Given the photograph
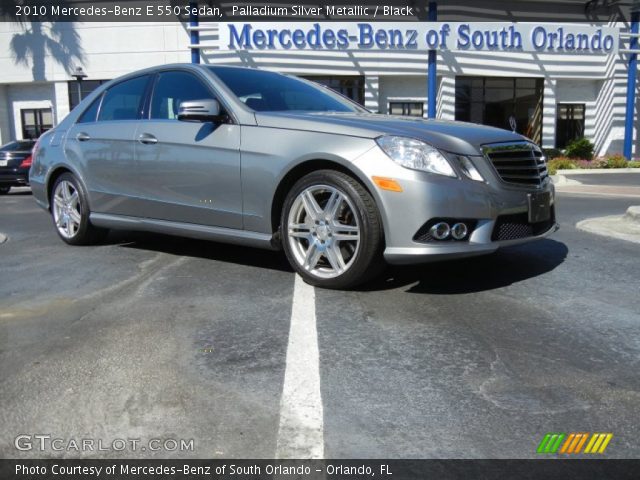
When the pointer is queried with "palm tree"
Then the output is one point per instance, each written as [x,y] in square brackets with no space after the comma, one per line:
[45,36]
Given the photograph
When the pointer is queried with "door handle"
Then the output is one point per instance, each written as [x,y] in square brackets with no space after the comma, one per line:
[147,139]
[83,137]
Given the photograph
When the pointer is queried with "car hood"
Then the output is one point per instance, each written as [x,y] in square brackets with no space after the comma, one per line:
[456,137]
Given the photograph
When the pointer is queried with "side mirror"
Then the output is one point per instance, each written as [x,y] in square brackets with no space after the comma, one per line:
[206,110]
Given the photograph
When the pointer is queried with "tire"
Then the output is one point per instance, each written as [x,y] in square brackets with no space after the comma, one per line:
[4,190]
[70,212]
[335,241]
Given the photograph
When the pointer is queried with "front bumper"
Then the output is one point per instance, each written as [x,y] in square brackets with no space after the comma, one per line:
[434,253]
[426,196]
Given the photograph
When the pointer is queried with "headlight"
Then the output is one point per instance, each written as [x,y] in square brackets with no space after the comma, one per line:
[414,154]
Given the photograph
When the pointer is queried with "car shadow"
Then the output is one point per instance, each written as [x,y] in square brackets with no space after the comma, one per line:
[204,249]
[454,277]
[476,274]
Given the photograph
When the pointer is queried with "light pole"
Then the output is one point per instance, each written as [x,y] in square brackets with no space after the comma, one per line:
[79,75]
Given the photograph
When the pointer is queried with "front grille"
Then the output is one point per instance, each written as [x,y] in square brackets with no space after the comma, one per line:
[513,227]
[520,163]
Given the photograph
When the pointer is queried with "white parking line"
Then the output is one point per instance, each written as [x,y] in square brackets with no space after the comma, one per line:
[300,434]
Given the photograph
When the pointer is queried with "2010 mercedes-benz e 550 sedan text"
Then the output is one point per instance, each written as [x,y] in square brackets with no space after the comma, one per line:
[268,160]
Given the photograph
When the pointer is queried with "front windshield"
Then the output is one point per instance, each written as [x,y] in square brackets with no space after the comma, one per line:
[265,91]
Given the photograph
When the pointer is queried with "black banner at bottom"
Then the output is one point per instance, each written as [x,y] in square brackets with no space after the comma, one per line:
[584,469]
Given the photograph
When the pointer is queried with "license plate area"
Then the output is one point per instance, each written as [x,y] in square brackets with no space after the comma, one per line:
[4,163]
[539,207]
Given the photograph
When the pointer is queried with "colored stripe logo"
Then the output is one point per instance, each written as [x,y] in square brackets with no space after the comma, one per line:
[573,443]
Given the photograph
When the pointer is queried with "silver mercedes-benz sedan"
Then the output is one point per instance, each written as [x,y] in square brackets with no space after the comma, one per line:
[268,160]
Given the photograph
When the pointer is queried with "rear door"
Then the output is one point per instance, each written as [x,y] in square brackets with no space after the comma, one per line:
[187,171]
[102,145]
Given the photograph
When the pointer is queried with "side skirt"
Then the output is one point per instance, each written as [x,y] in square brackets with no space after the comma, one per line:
[191,230]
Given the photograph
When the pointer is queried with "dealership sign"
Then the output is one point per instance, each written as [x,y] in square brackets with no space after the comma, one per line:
[394,36]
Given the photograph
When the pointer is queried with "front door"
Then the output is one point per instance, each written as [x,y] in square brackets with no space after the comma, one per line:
[187,171]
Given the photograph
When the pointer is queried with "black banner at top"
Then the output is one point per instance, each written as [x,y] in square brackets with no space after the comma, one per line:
[312,10]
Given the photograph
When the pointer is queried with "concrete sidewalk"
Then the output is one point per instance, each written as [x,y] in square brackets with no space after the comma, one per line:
[605,182]
[599,190]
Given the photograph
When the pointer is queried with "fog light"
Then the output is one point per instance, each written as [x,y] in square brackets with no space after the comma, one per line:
[459,231]
[440,231]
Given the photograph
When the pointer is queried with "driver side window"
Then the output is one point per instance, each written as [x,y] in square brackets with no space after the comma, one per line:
[171,89]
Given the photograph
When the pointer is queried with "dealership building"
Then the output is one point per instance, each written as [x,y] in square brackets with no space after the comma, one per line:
[552,95]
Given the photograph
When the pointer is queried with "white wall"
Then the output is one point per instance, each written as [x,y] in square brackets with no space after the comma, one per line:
[549,101]
[61,94]
[582,91]
[410,89]
[104,50]
[21,96]
[5,122]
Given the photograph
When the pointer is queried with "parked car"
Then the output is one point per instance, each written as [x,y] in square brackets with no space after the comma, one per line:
[15,162]
[267,160]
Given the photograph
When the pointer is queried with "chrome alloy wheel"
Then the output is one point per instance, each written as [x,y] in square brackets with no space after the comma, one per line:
[66,209]
[323,231]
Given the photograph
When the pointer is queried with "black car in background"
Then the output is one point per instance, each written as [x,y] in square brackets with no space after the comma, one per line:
[15,161]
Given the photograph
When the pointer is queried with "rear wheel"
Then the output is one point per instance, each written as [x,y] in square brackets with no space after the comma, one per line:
[70,211]
[331,230]
[4,190]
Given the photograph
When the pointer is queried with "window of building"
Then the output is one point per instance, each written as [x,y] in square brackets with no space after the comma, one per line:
[502,102]
[123,101]
[35,121]
[171,89]
[412,109]
[569,123]
[351,86]
[86,87]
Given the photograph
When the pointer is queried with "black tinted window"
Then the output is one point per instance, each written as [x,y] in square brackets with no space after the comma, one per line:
[123,101]
[267,91]
[173,88]
[91,113]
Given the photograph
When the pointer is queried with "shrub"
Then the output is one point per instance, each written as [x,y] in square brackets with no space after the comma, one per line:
[617,161]
[634,164]
[551,153]
[599,163]
[580,148]
[586,163]
[595,163]
[560,163]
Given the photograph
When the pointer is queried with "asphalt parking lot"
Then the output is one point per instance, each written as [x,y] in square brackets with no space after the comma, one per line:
[150,336]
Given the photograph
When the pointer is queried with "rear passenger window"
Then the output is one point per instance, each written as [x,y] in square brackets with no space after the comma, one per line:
[124,100]
[173,88]
[91,113]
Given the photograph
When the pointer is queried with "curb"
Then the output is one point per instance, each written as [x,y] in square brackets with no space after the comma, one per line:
[562,180]
[596,171]
[632,215]
[625,227]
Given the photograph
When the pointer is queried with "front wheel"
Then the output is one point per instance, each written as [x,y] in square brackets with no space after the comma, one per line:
[4,190]
[331,230]
[70,211]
